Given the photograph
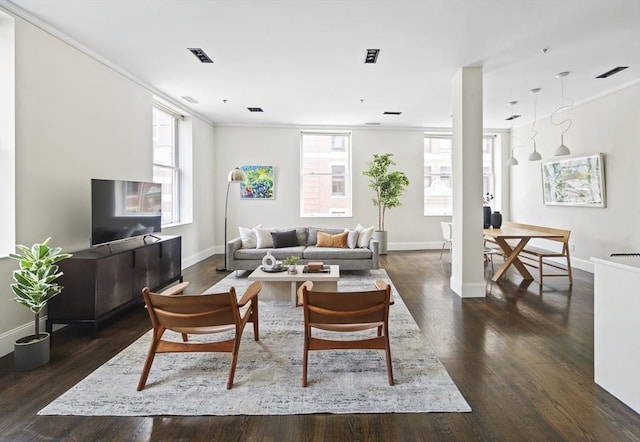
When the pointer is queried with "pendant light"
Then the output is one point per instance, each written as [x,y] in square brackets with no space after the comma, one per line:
[562,149]
[512,161]
[535,155]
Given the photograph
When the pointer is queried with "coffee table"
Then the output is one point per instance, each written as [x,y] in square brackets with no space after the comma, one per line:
[275,285]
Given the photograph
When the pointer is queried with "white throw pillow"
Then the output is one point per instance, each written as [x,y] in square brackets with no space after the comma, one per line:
[263,237]
[365,236]
[248,237]
[352,238]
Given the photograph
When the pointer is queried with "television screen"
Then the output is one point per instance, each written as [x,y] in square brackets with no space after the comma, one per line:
[124,209]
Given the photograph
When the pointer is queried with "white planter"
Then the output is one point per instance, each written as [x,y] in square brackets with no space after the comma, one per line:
[381,237]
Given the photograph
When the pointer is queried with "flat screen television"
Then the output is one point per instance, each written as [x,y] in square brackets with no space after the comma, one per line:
[124,209]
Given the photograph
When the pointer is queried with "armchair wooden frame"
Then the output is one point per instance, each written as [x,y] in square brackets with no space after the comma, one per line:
[347,312]
[199,314]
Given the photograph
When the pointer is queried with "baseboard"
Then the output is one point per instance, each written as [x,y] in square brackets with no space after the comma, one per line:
[200,256]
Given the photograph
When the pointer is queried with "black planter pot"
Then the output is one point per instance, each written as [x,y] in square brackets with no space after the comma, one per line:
[496,220]
[486,216]
[29,352]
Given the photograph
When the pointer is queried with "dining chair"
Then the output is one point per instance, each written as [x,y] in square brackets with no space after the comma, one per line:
[199,314]
[447,235]
[347,312]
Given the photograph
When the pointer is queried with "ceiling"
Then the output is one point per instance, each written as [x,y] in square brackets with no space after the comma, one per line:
[302,61]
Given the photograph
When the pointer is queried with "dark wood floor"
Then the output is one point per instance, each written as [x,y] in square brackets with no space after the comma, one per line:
[523,359]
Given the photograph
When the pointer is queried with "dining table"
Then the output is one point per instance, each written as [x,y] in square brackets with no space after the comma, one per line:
[512,240]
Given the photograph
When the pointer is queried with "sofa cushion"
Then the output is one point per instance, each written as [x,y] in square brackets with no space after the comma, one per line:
[352,238]
[263,236]
[286,238]
[312,238]
[365,235]
[326,240]
[248,237]
[333,253]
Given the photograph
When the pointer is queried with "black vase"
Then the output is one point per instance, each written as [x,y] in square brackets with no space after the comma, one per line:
[486,216]
[496,220]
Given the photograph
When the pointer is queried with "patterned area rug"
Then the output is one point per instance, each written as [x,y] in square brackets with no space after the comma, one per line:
[268,374]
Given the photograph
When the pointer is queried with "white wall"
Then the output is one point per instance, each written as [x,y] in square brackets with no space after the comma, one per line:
[77,119]
[610,124]
[280,147]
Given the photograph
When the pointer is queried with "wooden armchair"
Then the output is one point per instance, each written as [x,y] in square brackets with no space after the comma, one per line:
[199,314]
[347,312]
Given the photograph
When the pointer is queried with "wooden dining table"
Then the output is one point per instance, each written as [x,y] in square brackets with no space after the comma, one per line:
[512,240]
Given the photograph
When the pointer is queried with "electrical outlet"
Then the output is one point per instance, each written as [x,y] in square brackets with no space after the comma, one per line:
[572,247]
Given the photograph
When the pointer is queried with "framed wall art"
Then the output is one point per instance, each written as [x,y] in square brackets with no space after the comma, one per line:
[259,183]
[577,181]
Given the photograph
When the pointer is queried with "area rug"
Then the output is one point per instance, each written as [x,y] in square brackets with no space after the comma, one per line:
[268,374]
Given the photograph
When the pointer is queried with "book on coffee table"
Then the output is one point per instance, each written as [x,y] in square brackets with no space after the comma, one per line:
[323,269]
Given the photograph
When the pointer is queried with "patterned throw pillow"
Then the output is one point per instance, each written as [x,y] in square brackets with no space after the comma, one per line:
[327,240]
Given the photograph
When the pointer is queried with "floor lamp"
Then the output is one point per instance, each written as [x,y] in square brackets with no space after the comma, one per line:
[235,176]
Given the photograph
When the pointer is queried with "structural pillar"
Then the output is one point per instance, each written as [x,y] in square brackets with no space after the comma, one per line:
[467,265]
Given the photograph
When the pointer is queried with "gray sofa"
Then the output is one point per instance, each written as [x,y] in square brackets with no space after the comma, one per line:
[359,258]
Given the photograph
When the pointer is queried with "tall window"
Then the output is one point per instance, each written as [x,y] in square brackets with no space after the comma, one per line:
[166,161]
[437,173]
[325,174]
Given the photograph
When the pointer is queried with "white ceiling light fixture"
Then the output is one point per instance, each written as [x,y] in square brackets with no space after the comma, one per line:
[562,149]
[512,161]
[535,155]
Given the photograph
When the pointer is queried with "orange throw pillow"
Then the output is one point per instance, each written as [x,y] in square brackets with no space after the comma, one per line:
[327,240]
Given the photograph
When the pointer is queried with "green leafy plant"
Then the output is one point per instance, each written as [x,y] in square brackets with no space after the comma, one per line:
[290,260]
[34,282]
[388,186]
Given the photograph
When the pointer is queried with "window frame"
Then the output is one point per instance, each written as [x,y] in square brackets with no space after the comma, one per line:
[332,211]
[175,169]
[489,180]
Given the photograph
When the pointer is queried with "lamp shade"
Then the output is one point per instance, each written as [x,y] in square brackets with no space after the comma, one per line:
[512,161]
[237,176]
[562,150]
[535,156]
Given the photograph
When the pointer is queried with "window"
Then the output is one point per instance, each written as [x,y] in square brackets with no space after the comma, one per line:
[437,173]
[166,161]
[325,174]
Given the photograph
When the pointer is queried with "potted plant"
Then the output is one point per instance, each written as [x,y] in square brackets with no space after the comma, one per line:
[34,286]
[388,187]
[291,262]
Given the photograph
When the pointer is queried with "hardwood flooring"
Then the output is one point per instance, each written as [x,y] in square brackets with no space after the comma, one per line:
[522,357]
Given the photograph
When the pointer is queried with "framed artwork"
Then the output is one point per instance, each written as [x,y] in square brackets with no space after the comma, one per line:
[577,181]
[259,184]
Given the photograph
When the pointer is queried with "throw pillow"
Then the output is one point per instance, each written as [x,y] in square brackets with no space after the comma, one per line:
[365,236]
[287,238]
[248,237]
[263,237]
[328,240]
[352,238]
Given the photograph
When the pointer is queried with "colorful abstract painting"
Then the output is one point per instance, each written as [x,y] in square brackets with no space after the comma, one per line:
[575,181]
[259,183]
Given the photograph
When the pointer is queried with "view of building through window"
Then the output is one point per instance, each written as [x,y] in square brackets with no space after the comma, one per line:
[166,164]
[437,173]
[325,174]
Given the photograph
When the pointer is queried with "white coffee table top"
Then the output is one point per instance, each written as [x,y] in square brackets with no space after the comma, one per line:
[260,275]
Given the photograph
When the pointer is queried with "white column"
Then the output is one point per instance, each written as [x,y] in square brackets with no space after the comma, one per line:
[467,269]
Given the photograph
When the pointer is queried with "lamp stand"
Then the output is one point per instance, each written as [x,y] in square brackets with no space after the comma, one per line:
[223,268]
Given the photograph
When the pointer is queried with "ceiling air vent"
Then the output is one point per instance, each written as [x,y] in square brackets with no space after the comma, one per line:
[200,54]
[372,124]
[372,56]
[612,72]
[255,109]
[513,117]
[391,113]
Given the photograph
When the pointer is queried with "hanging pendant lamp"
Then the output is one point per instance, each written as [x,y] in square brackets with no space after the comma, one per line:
[562,149]
[535,155]
[512,161]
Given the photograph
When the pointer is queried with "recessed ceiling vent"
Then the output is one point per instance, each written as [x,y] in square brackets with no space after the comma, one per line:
[513,117]
[255,109]
[612,72]
[200,54]
[391,113]
[189,99]
[372,124]
[372,56]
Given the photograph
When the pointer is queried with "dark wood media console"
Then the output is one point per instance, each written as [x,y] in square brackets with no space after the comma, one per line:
[104,280]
